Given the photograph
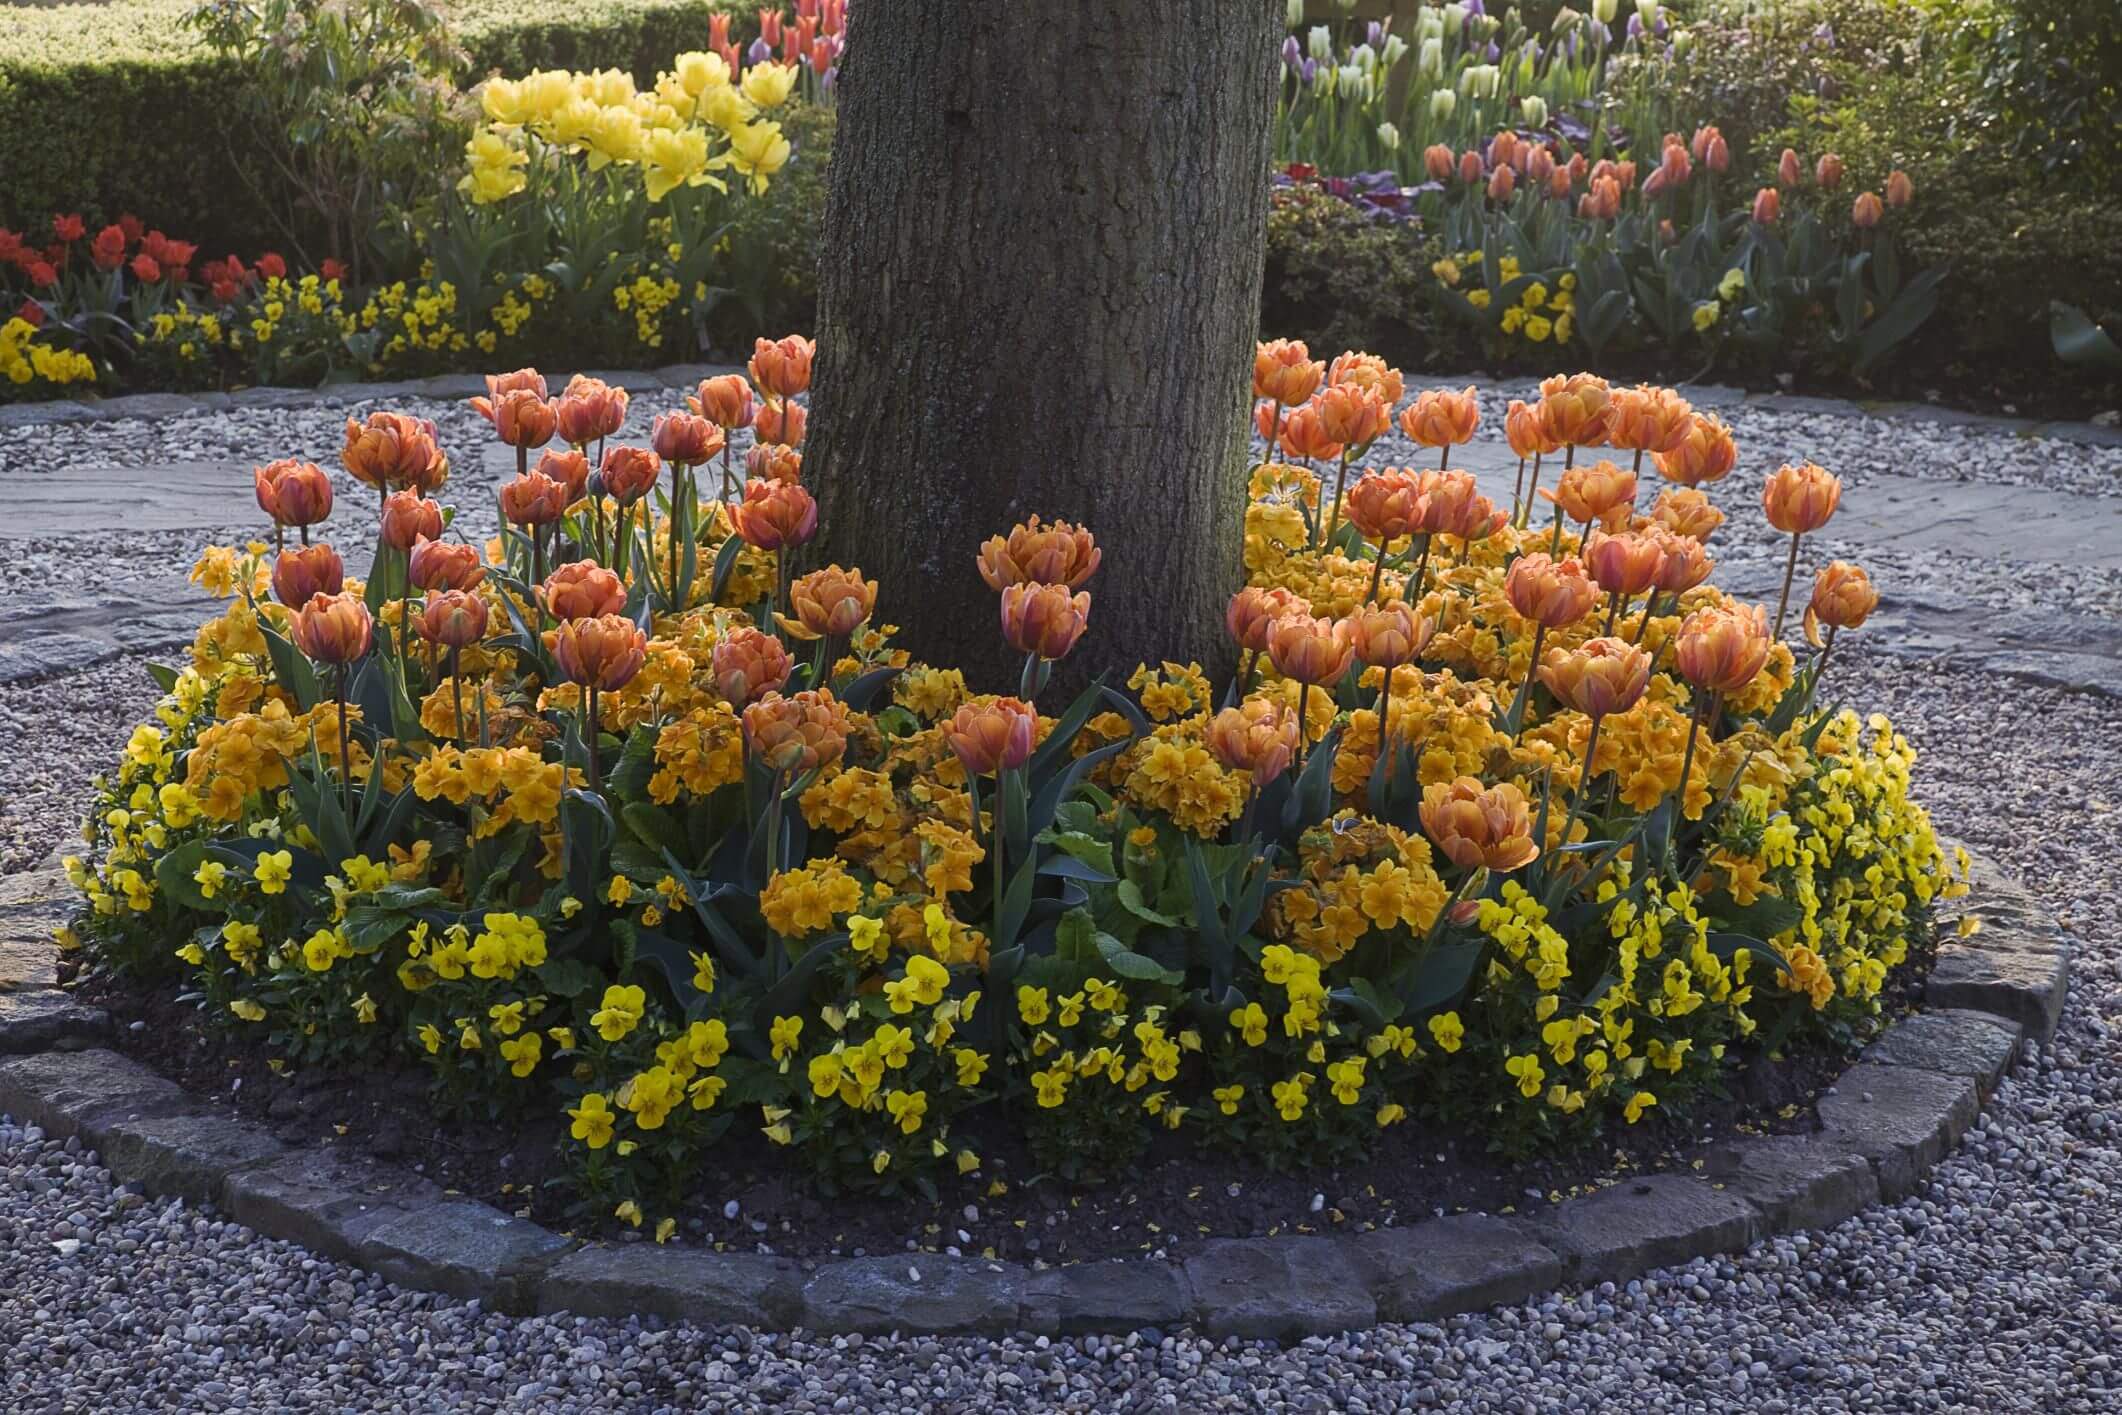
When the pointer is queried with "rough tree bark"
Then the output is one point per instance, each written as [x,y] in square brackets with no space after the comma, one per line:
[1044,236]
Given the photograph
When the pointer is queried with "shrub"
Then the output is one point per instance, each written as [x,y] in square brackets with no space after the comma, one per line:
[1339,277]
[112,108]
[668,841]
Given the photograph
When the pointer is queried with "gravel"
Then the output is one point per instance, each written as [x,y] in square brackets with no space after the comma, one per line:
[1994,1288]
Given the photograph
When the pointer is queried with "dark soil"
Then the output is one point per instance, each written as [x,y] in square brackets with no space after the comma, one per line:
[1182,1193]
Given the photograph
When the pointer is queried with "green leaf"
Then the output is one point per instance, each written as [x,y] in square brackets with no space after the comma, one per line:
[1724,945]
[165,677]
[1442,975]
[1130,895]
[173,875]
[2078,340]
[368,926]
[571,978]
[1090,849]
[1135,967]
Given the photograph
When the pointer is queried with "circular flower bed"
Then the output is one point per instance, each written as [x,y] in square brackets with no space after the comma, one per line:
[1510,822]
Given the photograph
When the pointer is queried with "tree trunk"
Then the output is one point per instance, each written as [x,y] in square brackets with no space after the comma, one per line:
[1040,288]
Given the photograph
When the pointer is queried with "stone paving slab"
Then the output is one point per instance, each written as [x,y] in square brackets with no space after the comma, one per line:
[1796,1181]
[186,1155]
[1278,1290]
[930,1292]
[85,1093]
[1957,1041]
[324,1199]
[1627,1229]
[1901,1118]
[466,1249]
[1455,1264]
[678,1284]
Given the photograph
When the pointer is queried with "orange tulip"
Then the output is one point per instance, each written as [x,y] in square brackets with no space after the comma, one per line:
[1683,563]
[1647,419]
[782,366]
[1526,432]
[521,417]
[791,735]
[1367,371]
[1058,553]
[1866,211]
[748,664]
[455,619]
[1720,650]
[1253,612]
[533,500]
[293,493]
[684,439]
[1455,508]
[1705,454]
[1351,414]
[1710,149]
[1304,435]
[569,468]
[408,518]
[1592,493]
[302,573]
[992,735]
[1828,172]
[1501,183]
[1576,409]
[333,628]
[1389,635]
[1257,737]
[1471,167]
[781,423]
[1602,202]
[1843,598]
[1385,505]
[1285,372]
[1479,827]
[1624,565]
[1799,500]
[1598,677]
[726,400]
[444,565]
[1687,513]
[629,473]
[1768,206]
[775,515]
[1438,162]
[770,461]
[1788,172]
[1044,619]
[1311,651]
[528,379]
[589,410]
[1550,593]
[1441,418]
[603,653]
[582,589]
[829,603]
[394,450]
[1899,190]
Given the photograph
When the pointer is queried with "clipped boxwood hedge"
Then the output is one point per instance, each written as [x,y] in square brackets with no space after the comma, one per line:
[116,107]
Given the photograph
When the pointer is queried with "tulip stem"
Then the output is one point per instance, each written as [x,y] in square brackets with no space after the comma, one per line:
[1584,776]
[346,768]
[589,732]
[1790,570]
[1418,579]
[1245,673]
[773,826]
[1517,488]
[1340,481]
[456,692]
[1613,612]
[1826,651]
[994,847]
[1687,758]
[1650,603]
[1523,516]
[1525,695]
[1569,460]
[1385,709]
[1377,577]
[1304,736]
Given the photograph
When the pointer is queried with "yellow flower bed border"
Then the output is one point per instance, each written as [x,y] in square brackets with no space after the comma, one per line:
[1892,1116]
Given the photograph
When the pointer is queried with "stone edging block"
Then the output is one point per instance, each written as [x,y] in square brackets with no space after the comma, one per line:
[1892,1115]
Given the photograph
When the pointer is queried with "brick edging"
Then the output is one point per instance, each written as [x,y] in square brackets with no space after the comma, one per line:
[453,386]
[1899,1109]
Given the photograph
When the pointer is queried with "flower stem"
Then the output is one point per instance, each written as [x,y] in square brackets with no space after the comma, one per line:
[1418,579]
[1525,696]
[1790,570]
[346,768]
[456,693]
[589,732]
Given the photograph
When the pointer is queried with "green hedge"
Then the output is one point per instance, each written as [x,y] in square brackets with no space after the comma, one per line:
[113,108]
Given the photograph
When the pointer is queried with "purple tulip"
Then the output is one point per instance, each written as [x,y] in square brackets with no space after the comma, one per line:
[1635,25]
[1292,55]
[759,53]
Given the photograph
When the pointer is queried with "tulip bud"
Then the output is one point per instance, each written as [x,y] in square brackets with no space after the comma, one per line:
[829,603]
[293,493]
[1899,190]
[1768,206]
[454,619]
[1684,562]
[629,473]
[1706,454]
[1720,650]
[394,450]
[791,735]
[1799,500]
[1389,635]
[1479,828]
[589,410]
[1442,104]
[1044,619]
[1827,172]
[1441,418]
[1687,513]
[1258,737]
[1588,494]
[770,461]
[302,573]
[684,439]
[527,379]
[533,500]
[1540,166]
[1438,162]
[1056,554]
[603,653]
[1865,212]
[1304,434]
[1649,419]
[582,589]
[1253,612]
[1524,431]
[726,400]
[782,366]
[1788,172]
[1308,650]
[1471,167]
[775,515]
[333,628]
[1285,372]
[409,517]
[1843,598]
[1501,183]
[1547,591]
[1577,409]
[748,664]
[992,735]
[782,422]
[569,468]
[1598,677]
[444,565]
[1351,414]
[520,416]
[1625,565]
[1366,371]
